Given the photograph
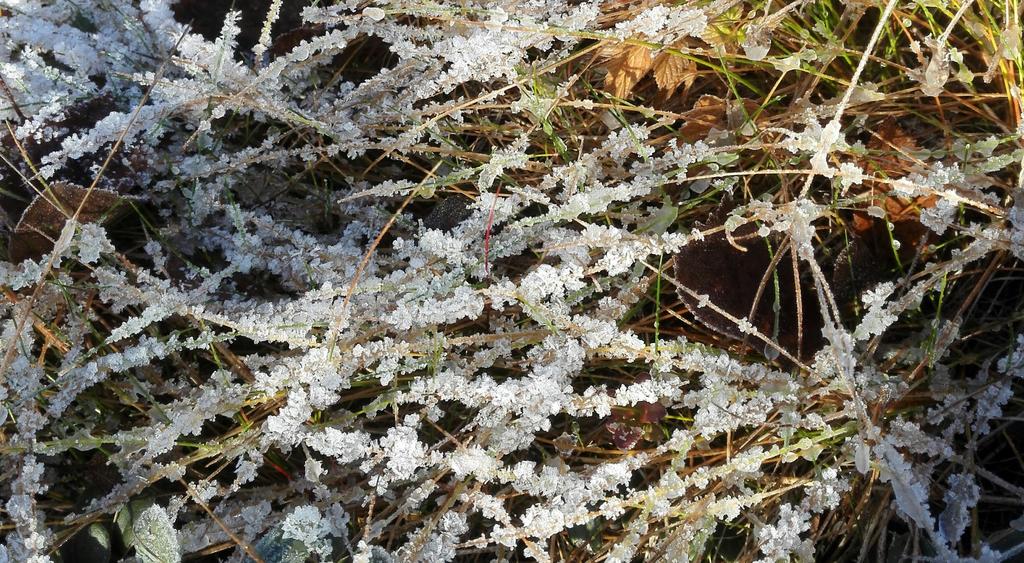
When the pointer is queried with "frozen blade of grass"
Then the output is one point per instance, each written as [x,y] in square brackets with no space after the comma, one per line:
[20,322]
[155,539]
[293,345]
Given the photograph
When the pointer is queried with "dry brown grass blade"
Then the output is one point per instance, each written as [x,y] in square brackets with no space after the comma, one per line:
[41,328]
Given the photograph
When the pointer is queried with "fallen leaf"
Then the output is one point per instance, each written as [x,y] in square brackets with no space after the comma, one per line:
[650,413]
[672,71]
[891,149]
[711,112]
[708,113]
[626,66]
[870,257]
[731,278]
[889,136]
[623,435]
[42,221]
[122,172]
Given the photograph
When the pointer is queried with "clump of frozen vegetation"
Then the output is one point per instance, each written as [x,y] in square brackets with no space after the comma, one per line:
[396,283]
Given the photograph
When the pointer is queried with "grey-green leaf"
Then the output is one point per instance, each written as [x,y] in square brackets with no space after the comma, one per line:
[274,548]
[662,219]
[126,516]
[156,541]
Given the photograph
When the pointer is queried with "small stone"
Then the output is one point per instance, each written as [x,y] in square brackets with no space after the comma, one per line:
[447,214]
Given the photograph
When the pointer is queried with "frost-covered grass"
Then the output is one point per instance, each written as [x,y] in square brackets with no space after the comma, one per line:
[416,281]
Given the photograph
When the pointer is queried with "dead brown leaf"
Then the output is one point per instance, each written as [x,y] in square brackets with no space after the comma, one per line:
[711,112]
[735,281]
[891,136]
[627,65]
[672,71]
[42,221]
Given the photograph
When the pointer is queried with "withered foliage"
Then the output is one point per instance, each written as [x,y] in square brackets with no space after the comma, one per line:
[33,213]
[627,64]
[744,281]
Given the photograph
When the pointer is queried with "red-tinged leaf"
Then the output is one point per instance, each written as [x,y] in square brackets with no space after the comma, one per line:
[651,413]
[623,435]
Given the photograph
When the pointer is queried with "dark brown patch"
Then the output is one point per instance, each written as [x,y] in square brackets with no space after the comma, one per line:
[42,221]
[858,267]
[32,221]
[207,18]
[869,258]
[448,213]
[288,40]
[121,174]
[731,277]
